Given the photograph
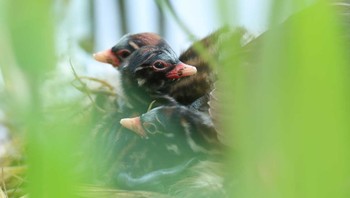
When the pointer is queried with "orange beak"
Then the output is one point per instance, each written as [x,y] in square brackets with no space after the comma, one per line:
[181,70]
[107,56]
[134,124]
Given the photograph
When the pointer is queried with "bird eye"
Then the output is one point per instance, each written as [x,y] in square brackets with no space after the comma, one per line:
[123,53]
[159,65]
[150,127]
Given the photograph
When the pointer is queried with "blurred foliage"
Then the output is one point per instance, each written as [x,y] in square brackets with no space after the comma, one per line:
[290,111]
[287,100]
[50,138]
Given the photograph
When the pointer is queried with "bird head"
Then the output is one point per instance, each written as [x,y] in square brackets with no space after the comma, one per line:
[153,68]
[149,124]
[126,46]
[176,128]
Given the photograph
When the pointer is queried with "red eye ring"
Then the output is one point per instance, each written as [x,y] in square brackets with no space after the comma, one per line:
[159,65]
[124,53]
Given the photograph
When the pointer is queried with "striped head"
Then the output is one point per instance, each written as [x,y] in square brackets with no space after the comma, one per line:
[176,128]
[127,45]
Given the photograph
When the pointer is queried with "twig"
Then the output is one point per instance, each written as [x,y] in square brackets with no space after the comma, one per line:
[83,87]
[97,80]
[87,90]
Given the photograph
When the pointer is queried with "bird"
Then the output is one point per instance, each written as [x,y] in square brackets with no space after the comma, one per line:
[179,137]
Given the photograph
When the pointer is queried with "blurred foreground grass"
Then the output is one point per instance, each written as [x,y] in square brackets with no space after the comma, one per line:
[50,137]
[290,109]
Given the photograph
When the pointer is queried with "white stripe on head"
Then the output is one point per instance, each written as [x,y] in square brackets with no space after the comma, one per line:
[134,45]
